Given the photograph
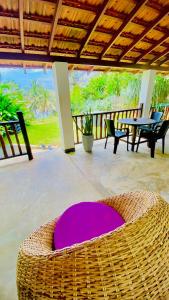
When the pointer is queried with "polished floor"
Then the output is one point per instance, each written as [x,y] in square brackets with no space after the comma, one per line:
[32,193]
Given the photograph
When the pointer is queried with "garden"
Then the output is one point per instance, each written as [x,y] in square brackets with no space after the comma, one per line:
[95,91]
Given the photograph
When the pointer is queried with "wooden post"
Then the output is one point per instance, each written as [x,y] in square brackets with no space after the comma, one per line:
[25,135]
[141,106]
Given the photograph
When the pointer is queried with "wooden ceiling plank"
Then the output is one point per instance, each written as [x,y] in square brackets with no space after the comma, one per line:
[123,25]
[95,22]
[63,38]
[78,25]
[21,24]
[55,21]
[163,14]
[159,43]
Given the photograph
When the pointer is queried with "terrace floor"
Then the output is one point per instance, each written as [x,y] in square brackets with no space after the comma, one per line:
[34,192]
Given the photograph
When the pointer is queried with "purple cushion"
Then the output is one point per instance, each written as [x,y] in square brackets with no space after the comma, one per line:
[84,221]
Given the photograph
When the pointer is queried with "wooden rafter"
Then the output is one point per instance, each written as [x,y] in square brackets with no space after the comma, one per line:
[55,20]
[123,26]
[158,43]
[161,54]
[21,24]
[95,22]
[163,14]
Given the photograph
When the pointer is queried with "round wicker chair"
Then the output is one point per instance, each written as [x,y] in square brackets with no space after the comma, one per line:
[129,263]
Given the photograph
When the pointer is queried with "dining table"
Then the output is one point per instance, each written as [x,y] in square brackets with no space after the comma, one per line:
[135,123]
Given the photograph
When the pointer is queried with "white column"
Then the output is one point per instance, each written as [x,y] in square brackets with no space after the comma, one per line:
[147,85]
[61,82]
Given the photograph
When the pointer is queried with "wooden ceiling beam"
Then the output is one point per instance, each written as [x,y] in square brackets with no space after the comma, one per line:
[77,25]
[21,24]
[158,43]
[80,5]
[10,46]
[155,5]
[164,61]
[161,54]
[162,14]
[130,17]
[94,24]
[75,60]
[54,23]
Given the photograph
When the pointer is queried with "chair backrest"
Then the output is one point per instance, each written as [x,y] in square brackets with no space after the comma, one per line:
[110,127]
[163,129]
[156,115]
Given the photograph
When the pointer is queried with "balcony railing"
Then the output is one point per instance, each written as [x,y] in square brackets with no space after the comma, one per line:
[165,110]
[8,149]
[99,130]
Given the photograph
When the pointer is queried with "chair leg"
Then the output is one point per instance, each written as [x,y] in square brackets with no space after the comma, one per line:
[116,141]
[106,142]
[163,144]
[152,148]
[128,143]
[138,143]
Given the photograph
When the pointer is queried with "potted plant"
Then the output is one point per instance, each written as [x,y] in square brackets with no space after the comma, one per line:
[87,132]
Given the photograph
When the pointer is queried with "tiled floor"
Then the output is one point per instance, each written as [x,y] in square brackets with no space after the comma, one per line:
[32,193]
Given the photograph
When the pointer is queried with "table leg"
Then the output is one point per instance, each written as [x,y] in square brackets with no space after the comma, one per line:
[133,137]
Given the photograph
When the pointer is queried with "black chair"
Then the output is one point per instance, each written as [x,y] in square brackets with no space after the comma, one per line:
[151,136]
[117,134]
[156,116]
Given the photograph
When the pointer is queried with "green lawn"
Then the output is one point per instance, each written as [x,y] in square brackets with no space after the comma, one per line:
[44,131]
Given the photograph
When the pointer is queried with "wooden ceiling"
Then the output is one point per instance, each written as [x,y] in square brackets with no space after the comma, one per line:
[109,33]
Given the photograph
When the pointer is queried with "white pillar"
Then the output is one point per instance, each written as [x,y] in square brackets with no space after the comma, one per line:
[147,85]
[61,82]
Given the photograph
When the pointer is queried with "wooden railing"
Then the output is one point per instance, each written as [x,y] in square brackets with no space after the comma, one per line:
[165,110]
[7,148]
[99,130]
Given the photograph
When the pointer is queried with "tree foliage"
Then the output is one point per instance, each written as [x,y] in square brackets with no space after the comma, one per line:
[106,91]
[11,101]
[161,90]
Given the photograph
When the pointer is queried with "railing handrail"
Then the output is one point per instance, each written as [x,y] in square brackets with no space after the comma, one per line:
[9,122]
[108,112]
[9,126]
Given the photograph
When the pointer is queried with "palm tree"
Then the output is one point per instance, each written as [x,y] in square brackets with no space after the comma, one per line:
[41,99]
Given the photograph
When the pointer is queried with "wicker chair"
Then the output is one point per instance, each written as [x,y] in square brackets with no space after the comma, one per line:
[129,263]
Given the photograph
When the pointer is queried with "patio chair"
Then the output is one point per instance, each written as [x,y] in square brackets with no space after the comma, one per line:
[152,136]
[117,134]
[156,116]
[128,263]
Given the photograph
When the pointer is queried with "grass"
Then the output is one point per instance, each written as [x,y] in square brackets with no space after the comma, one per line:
[43,131]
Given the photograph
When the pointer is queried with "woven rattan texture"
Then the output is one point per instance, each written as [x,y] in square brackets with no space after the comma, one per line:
[129,263]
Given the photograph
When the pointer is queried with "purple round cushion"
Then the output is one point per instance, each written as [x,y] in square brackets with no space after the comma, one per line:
[84,221]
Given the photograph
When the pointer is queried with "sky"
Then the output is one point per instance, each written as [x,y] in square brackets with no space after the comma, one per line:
[24,79]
